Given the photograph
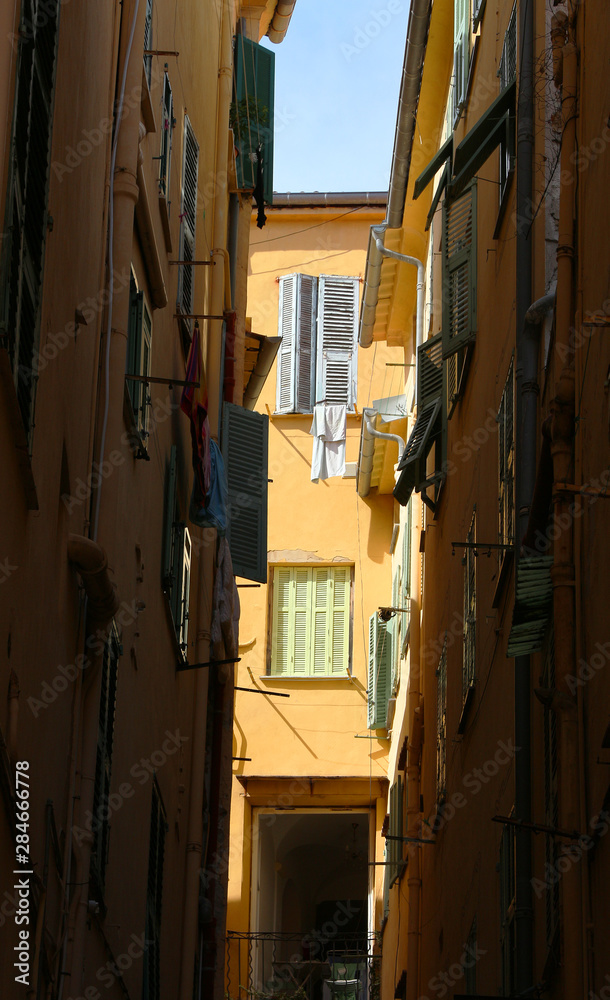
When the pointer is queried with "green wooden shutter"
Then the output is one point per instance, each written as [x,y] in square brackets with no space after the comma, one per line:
[169,518]
[394,625]
[300,621]
[340,619]
[253,113]
[459,271]
[321,647]
[306,342]
[336,369]
[406,572]
[245,449]
[25,222]
[283,631]
[188,229]
[412,464]
[148,40]
[380,666]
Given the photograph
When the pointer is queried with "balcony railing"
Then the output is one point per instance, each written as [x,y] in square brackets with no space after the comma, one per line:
[303,966]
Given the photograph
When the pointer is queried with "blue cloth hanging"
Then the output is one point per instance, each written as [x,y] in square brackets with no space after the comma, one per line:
[211,511]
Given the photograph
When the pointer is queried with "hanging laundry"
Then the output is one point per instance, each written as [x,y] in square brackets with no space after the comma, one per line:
[194,402]
[329,432]
[210,511]
[224,631]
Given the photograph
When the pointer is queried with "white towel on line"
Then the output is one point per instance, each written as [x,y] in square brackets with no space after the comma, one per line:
[329,431]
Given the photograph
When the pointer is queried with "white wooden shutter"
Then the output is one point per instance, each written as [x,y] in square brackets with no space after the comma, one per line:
[287,326]
[190,169]
[244,450]
[336,369]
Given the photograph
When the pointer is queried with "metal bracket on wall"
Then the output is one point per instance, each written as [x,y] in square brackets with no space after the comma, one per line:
[486,547]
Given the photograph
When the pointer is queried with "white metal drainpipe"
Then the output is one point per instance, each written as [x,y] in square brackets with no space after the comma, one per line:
[421,273]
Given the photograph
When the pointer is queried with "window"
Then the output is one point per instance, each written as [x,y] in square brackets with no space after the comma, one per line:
[317,321]
[459,251]
[395,624]
[176,559]
[394,842]
[148,41]
[406,574]
[470,615]
[25,222]
[506,462]
[429,429]
[507,909]
[461,54]
[441,727]
[478,9]
[103,766]
[139,336]
[188,222]
[311,621]
[252,115]
[167,126]
[379,677]
[507,73]
[244,445]
[151,989]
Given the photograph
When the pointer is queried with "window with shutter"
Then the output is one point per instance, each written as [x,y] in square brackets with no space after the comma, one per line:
[470,616]
[395,628]
[506,463]
[461,55]
[25,223]
[148,40]
[310,621]
[429,425]
[337,339]
[508,73]
[459,271]
[244,445]
[151,988]
[441,727]
[396,831]
[103,765]
[379,674]
[139,345]
[252,114]
[188,217]
[176,574]
[478,9]
[406,574]
[167,126]
[297,328]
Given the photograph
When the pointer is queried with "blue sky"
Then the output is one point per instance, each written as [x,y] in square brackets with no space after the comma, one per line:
[337,77]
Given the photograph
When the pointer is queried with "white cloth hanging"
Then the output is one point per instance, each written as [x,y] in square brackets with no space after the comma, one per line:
[328,428]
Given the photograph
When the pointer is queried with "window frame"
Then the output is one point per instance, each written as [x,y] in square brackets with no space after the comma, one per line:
[148,41]
[167,129]
[138,359]
[310,611]
[185,298]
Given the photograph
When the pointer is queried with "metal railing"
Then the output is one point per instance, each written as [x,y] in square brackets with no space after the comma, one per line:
[303,966]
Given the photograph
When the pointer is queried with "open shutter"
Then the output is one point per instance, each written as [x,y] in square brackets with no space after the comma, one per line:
[306,342]
[244,449]
[461,53]
[190,170]
[406,572]
[134,346]
[287,330]
[168,576]
[254,113]
[182,557]
[394,624]
[337,340]
[379,679]
[459,271]
[167,125]
[412,465]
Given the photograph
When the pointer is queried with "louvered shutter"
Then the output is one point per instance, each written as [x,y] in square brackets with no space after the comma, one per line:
[337,340]
[182,559]
[459,271]
[103,768]
[134,345]
[412,465]
[148,40]
[287,330]
[380,666]
[244,449]
[300,621]
[167,124]
[339,609]
[281,645]
[406,572]
[254,92]
[25,224]
[320,620]
[168,574]
[394,625]
[306,342]
[461,54]
[190,171]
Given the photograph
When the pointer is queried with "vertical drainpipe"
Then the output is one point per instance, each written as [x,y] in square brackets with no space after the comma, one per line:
[525,440]
[414,827]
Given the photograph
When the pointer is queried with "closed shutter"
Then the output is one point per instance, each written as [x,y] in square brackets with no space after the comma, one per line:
[379,678]
[25,223]
[310,621]
[337,343]
[244,449]
[470,612]
[441,726]
[134,345]
[506,462]
[459,271]
[254,93]
[306,342]
[190,170]
[396,830]
[169,518]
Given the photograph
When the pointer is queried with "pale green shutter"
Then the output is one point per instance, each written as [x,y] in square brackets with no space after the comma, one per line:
[337,340]
[320,621]
[380,665]
[394,628]
[244,449]
[281,645]
[287,330]
[190,170]
[406,571]
[459,271]
[340,611]
[301,587]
